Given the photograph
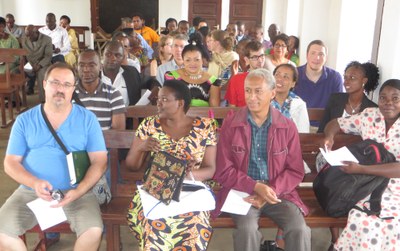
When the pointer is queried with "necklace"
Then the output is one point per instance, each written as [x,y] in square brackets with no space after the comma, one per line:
[194,76]
[354,109]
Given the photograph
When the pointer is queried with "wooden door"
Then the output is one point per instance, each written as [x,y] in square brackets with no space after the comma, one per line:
[249,12]
[208,9]
[108,13]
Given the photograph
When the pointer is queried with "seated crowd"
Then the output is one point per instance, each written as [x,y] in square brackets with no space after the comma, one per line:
[257,149]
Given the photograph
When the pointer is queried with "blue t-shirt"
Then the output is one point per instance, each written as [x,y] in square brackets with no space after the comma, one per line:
[316,95]
[42,155]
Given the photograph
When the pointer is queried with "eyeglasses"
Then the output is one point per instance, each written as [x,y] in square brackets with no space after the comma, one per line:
[255,58]
[56,83]
[280,46]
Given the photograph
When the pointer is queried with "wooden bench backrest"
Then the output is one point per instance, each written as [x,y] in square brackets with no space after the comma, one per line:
[123,184]
[8,55]
[315,114]
[139,112]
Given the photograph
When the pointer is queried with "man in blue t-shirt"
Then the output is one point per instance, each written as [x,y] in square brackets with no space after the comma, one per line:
[36,160]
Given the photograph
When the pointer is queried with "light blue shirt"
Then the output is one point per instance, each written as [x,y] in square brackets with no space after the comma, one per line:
[146,46]
[42,155]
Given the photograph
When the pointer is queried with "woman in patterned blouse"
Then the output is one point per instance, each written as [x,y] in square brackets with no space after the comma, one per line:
[381,124]
[192,139]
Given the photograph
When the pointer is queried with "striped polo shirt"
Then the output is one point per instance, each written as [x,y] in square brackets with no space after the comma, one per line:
[105,102]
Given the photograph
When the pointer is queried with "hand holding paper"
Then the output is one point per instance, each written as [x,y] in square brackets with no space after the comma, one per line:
[46,215]
[235,203]
[336,157]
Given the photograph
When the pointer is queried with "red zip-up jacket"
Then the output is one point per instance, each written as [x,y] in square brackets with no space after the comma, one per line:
[285,163]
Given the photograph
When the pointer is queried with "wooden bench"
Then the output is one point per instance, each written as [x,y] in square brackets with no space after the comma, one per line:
[123,181]
[137,113]
[123,187]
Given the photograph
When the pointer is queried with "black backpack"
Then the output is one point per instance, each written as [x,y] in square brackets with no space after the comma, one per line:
[337,192]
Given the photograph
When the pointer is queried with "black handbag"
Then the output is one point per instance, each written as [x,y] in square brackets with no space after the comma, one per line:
[337,192]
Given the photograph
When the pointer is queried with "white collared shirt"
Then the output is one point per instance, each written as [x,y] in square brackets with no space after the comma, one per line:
[59,38]
[119,84]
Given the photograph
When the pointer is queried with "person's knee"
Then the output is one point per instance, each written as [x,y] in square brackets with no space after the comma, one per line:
[247,228]
[299,229]
[11,243]
[93,233]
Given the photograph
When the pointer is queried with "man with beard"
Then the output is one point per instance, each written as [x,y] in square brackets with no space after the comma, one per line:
[36,161]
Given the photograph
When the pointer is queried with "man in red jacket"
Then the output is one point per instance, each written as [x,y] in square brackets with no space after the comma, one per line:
[259,153]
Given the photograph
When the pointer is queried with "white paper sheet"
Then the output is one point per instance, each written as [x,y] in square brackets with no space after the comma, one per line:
[235,204]
[201,200]
[28,67]
[46,215]
[144,100]
[336,157]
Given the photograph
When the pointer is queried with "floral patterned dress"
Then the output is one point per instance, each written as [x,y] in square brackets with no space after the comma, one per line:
[370,232]
[190,231]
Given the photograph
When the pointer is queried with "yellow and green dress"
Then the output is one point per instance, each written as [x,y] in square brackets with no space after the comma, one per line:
[190,231]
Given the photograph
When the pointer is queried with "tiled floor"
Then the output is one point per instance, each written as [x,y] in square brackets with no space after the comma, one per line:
[221,239]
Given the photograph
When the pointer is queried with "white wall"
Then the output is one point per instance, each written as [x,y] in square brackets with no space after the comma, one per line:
[274,11]
[177,9]
[315,24]
[34,12]
[389,50]
[356,33]
[292,17]
[225,11]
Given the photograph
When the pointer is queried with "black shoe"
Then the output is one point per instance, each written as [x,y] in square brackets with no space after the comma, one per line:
[29,92]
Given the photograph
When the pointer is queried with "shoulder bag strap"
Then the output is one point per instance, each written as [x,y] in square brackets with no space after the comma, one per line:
[52,130]
[76,98]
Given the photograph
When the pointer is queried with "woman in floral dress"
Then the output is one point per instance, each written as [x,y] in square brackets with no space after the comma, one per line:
[192,139]
[382,124]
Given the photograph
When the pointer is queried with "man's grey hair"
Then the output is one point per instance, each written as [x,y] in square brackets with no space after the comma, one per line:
[181,37]
[265,74]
